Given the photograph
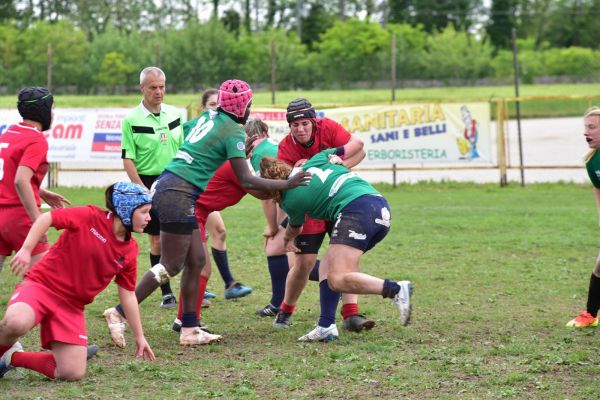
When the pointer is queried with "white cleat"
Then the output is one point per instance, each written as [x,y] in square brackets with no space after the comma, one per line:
[196,336]
[116,326]
[5,360]
[402,301]
[320,334]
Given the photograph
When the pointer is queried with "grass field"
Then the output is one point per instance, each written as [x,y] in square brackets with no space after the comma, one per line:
[339,98]
[497,274]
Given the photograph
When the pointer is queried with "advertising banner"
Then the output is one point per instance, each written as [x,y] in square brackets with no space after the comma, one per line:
[81,135]
[427,133]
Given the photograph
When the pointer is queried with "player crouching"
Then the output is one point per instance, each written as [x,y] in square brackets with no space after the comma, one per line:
[94,248]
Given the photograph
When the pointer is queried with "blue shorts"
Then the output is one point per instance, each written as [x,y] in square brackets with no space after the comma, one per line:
[175,201]
[363,223]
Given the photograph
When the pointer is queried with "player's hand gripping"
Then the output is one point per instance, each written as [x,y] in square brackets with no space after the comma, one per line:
[300,178]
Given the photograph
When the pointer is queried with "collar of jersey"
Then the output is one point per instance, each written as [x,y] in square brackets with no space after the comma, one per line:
[146,111]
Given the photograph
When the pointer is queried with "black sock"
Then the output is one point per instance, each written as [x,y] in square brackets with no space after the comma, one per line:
[220,257]
[278,269]
[120,311]
[189,319]
[314,273]
[593,301]
[166,288]
[390,288]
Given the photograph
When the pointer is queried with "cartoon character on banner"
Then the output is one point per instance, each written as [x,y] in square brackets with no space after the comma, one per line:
[467,145]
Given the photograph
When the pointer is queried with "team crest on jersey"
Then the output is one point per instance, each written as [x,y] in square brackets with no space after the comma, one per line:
[597,172]
[241,146]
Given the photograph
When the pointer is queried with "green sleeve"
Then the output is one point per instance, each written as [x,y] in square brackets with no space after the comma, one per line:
[127,144]
[295,217]
[235,145]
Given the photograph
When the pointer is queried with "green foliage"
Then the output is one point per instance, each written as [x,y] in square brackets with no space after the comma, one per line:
[502,20]
[453,54]
[114,70]
[69,50]
[410,50]
[572,61]
[10,53]
[349,51]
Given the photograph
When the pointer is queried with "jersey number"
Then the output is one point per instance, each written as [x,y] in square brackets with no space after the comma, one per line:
[2,146]
[202,127]
[324,174]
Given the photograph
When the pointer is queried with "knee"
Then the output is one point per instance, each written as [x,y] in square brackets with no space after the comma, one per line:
[70,374]
[14,325]
[335,282]
[220,233]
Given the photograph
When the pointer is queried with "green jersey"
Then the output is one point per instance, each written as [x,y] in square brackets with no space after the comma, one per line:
[151,141]
[330,189]
[593,169]
[266,148]
[209,141]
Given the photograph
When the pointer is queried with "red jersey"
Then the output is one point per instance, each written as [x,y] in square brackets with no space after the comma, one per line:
[329,134]
[86,256]
[21,145]
[223,190]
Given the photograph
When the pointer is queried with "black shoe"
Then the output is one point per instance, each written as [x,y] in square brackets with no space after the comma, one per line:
[283,320]
[168,301]
[357,322]
[267,311]
[92,350]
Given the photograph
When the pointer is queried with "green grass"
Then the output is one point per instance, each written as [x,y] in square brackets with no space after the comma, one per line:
[497,273]
[340,98]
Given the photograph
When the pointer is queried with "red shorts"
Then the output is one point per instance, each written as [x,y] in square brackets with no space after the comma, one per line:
[201,217]
[312,226]
[14,227]
[59,320]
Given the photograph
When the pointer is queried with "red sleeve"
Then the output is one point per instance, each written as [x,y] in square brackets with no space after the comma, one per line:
[284,152]
[34,155]
[334,134]
[128,276]
[71,218]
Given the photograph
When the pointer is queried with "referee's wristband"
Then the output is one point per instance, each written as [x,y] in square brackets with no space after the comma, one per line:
[340,151]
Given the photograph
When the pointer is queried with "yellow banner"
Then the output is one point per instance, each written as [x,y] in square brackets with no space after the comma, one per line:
[426,133]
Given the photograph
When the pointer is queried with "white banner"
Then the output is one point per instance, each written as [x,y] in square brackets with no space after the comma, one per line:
[409,133]
[81,135]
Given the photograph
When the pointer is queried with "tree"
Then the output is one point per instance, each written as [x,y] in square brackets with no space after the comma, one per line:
[410,48]
[316,22]
[343,63]
[114,71]
[7,11]
[435,15]
[399,11]
[453,54]
[232,22]
[502,20]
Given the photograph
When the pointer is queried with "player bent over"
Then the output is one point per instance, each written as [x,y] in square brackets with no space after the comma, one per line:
[210,140]
[362,219]
[95,247]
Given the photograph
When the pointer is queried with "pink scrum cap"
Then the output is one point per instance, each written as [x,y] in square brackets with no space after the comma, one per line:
[234,97]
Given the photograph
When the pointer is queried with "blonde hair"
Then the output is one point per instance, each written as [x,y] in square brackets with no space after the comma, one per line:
[593,111]
[272,168]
